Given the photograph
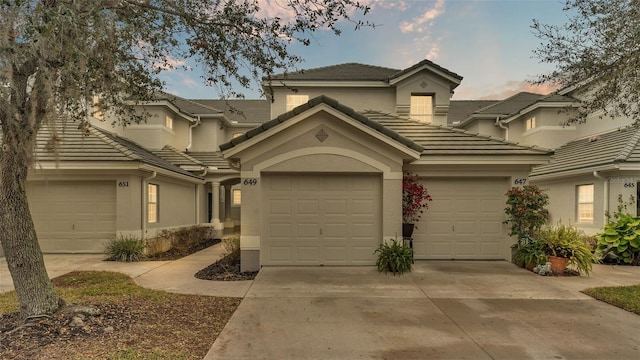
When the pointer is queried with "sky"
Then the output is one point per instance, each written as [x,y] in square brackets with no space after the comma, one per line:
[489,43]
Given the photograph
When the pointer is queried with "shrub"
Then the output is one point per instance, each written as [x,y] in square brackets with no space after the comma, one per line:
[415,198]
[394,257]
[187,238]
[620,239]
[526,211]
[231,247]
[125,248]
[567,241]
[530,252]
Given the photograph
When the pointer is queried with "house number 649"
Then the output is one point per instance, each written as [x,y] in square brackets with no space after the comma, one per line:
[250,182]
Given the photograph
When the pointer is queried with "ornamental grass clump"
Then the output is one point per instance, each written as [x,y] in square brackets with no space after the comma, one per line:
[415,199]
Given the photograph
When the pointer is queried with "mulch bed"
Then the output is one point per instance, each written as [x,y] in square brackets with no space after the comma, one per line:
[175,253]
[221,270]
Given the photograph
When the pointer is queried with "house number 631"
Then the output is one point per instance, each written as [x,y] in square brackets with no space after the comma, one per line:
[250,182]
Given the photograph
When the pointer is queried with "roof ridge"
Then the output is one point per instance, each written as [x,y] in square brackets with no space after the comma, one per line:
[191,102]
[630,145]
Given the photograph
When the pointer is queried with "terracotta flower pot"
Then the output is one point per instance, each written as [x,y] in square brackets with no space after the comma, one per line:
[558,264]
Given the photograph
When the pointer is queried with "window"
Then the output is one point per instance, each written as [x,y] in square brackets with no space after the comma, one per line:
[296,100]
[97,111]
[237,197]
[152,203]
[168,122]
[585,203]
[531,123]
[421,108]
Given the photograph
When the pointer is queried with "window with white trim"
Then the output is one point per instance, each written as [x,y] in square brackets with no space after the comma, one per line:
[585,203]
[152,203]
[236,197]
[531,123]
[296,100]
[421,108]
[168,122]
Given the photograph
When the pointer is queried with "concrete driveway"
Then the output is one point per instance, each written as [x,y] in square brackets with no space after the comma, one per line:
[443,310]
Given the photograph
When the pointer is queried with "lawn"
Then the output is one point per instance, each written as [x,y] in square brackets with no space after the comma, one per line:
[625,297]
[134,322]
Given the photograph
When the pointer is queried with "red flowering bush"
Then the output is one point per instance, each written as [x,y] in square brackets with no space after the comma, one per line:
[415,199]
[526,210]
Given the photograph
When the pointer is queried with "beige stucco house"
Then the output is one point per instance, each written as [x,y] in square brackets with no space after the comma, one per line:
[313,174]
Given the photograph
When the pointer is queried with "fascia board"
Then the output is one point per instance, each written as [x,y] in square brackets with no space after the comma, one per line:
[482,160]
[166,103]
[171,174]
[85,165]
[431,69]
[575,172]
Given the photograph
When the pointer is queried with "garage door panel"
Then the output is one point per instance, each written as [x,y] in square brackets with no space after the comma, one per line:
[73,216]
[467,215]
[280,207]
[334,212]
[280,253]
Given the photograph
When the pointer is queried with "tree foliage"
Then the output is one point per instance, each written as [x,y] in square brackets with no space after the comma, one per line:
[57,55]
[598,48]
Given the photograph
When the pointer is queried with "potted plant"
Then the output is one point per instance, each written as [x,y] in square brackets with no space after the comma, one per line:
[529,253]
[415,199]
[394,256]
[564,246]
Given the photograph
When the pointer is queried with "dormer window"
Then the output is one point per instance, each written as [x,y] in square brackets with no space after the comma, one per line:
[296,100]
[421,108]
[168,122]
[531,123]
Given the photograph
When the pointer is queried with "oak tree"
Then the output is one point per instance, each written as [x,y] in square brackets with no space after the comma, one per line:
[57,55]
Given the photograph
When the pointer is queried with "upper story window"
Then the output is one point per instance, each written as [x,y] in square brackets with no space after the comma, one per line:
[97,111]
[296,100]
[531,123]
[168,122]
[421,108]
[585,203]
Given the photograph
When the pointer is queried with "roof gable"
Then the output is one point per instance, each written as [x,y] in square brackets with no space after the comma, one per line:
[334,104]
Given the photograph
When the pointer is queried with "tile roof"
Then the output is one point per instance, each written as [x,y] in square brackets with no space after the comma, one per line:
[426,62]
[211,159]
[72,144]
[242,111]
[442,140]
[618,146]
[515,103]
[199,158]
[347,72]
[186,106]
[462,109]
[315,102]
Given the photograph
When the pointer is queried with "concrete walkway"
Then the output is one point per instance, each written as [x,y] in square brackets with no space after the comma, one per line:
[174,276]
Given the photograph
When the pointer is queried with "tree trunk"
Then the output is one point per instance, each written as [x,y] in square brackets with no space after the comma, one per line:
[17,233]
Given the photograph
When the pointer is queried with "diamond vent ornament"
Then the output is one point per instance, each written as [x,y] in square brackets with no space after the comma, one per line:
[322,135]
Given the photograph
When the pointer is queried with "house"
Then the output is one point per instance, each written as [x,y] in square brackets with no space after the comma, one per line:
[313,175]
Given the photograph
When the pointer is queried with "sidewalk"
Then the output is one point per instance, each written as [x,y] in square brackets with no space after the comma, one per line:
[174,276]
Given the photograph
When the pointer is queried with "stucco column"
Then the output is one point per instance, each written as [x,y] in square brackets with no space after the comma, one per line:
[215,206]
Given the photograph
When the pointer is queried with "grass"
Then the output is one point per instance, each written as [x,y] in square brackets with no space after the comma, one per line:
[624,297]
[149,324]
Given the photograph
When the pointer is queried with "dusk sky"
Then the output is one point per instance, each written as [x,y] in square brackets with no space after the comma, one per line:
[488,42]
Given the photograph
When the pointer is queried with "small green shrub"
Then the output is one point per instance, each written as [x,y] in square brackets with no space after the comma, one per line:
[394,257]
[529,251]
[620,239]
[125,248]
[567,241]
[231,247]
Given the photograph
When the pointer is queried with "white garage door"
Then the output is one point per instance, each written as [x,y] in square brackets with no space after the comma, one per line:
[464,220]
[321,219]
[73,216]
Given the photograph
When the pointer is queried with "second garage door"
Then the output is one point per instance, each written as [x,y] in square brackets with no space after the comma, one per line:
[464,220]
[73,216]
[321,219]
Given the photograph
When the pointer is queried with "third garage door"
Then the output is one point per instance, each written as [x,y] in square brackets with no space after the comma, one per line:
[464,220]
[321,219]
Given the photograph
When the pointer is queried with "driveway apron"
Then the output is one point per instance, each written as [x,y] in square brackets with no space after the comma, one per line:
[442,310]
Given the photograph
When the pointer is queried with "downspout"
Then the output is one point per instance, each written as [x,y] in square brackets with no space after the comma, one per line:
[501,125]
[606,195]
[191,133]
[204,173]
[143,206]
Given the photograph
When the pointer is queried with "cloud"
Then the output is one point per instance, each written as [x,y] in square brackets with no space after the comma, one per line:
[423,22]
[170,64]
